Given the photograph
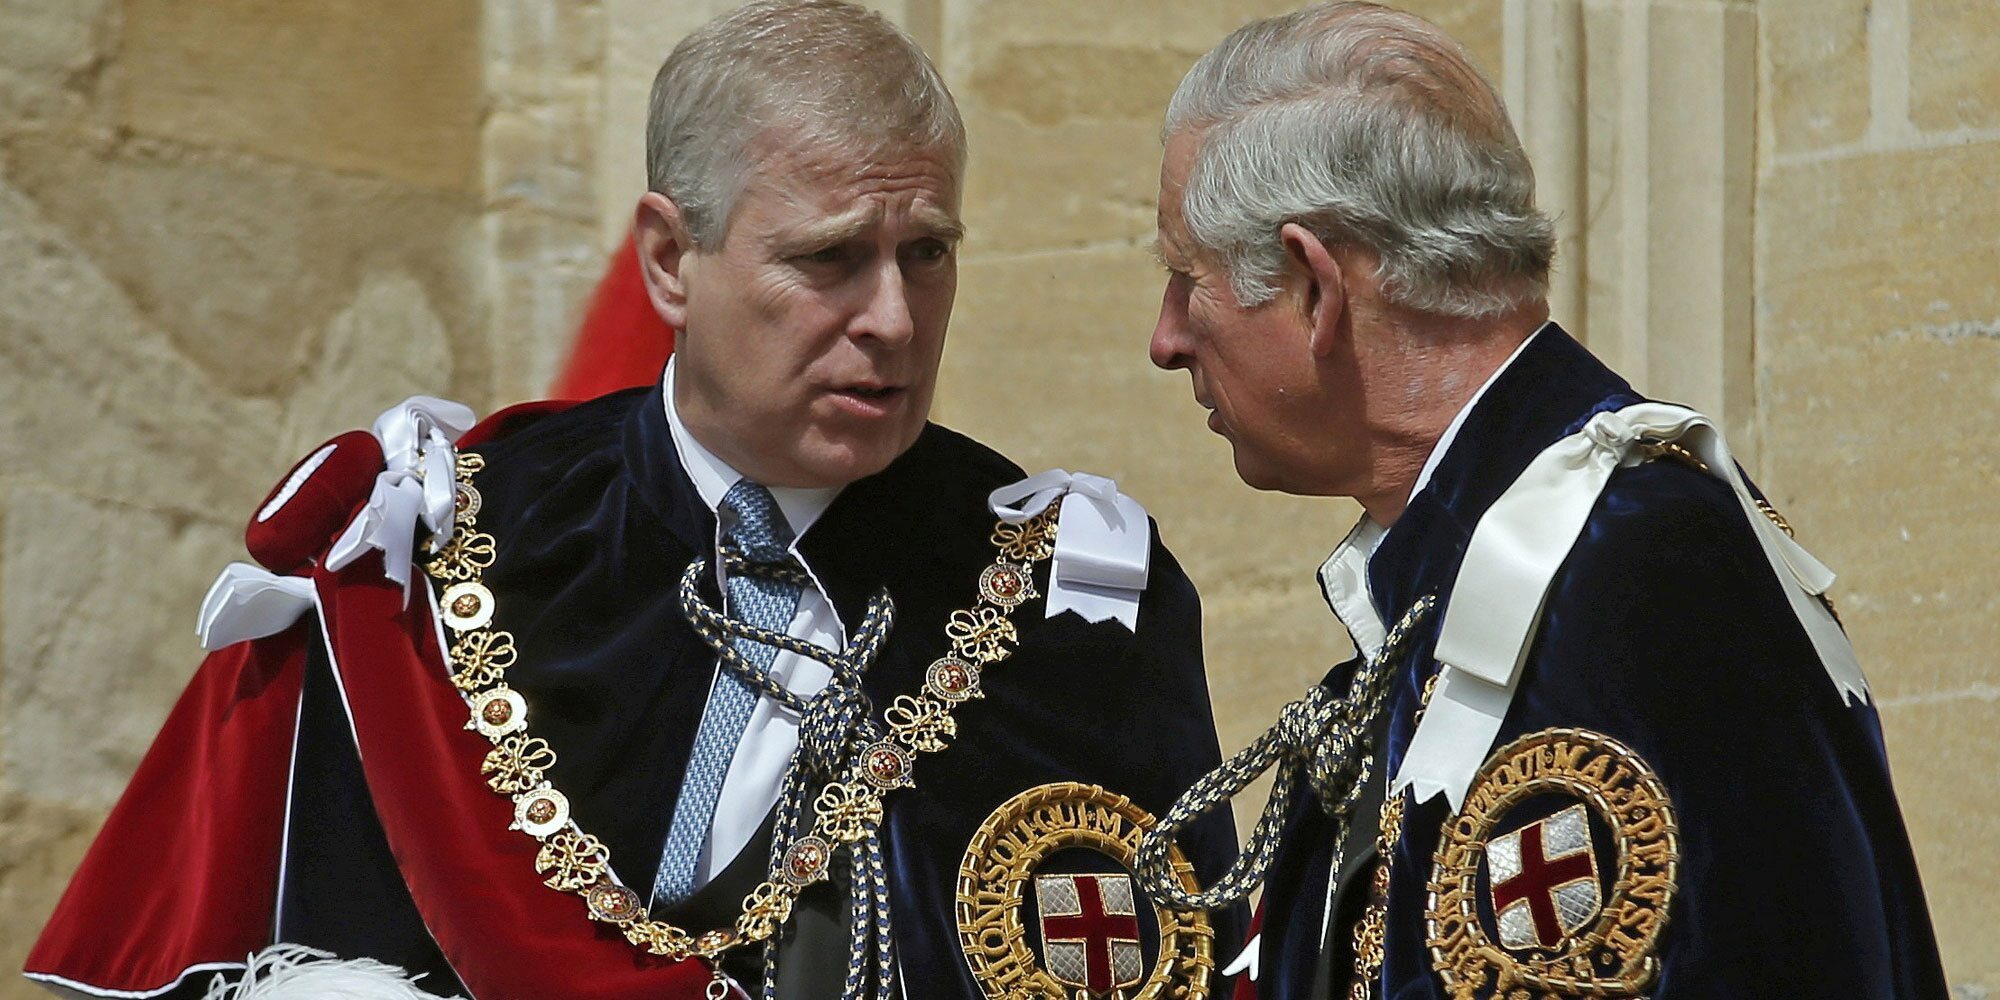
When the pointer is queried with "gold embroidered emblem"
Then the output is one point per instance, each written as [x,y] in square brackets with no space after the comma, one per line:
[1550,926]
[1090,924]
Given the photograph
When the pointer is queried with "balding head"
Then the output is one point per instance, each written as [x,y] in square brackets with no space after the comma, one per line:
[1370,127]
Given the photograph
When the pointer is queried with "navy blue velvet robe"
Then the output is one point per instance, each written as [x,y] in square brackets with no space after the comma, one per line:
[1666,630]
[596,520]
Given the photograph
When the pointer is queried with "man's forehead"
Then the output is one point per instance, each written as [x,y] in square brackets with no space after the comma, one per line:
[853,190]
[835,221]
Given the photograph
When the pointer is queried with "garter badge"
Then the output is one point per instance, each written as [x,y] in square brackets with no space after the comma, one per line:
[1048,908]
[1555,878]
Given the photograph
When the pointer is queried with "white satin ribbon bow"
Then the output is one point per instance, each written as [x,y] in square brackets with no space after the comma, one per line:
[1104,542]
[416,437]
[1511,561]
[250,602]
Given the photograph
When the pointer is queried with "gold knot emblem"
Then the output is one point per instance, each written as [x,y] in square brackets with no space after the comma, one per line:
[1090,921]
[1566,921]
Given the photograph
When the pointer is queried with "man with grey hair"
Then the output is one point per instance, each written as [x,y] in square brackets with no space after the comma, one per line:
[1603,735]
[752,680]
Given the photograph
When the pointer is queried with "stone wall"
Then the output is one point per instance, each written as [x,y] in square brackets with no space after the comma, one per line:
[228,229]
[231,228]
[1878,388]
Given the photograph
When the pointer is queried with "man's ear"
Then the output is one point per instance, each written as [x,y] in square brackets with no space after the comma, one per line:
[661,236]
[1326,285]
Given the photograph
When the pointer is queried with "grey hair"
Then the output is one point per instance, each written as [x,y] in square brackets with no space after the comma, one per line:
[1371,127]
[824,74]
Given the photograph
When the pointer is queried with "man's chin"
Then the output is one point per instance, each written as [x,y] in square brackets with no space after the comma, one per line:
[839,462]
[1261,474]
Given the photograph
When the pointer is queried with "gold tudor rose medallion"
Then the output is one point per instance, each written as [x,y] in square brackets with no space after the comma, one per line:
[1522,903]
[1090,924]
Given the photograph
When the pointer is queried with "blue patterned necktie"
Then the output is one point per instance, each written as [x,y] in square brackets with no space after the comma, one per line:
[755,527]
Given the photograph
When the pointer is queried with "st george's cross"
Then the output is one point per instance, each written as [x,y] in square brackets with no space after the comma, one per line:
[1543,880]
[1090,931]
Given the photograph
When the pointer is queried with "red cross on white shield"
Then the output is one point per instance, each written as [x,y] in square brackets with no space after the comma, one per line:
[1543,880]
[1090,931]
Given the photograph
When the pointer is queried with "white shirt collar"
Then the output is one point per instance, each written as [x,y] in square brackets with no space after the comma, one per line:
[1343,577]
[713,477]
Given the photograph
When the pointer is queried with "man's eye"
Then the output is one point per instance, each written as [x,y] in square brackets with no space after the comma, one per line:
[930,250]
[825,255]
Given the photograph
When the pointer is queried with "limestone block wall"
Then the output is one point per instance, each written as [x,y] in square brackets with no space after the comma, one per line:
[1878,389]
[227,230]
[231,228]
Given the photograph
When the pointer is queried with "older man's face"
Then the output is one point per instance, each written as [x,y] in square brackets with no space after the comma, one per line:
[813,333]
[1252,367]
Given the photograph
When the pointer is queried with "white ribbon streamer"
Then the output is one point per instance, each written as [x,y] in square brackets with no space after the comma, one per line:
[1511,561]
[1246,960]
[250,602]
[1104,542]
[416,437]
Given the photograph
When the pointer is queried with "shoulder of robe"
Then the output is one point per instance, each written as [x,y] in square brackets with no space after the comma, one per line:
[313,502]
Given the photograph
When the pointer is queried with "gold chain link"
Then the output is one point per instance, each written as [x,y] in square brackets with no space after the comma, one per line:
[575,862]
[1371,931]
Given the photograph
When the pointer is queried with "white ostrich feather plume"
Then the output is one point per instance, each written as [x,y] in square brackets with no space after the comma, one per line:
[296,972]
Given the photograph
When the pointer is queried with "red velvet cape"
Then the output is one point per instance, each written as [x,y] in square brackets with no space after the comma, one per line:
[184,876]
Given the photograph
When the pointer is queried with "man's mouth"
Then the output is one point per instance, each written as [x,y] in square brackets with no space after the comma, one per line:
[870,399]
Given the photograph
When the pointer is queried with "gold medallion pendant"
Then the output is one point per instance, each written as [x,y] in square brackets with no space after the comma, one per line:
[1047,906]
[1556,877]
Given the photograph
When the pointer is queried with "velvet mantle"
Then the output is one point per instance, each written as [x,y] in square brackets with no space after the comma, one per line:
[254,818]
[1666,630]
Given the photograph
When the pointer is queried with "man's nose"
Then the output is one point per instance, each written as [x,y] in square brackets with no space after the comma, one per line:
[886,316]
[1168,347]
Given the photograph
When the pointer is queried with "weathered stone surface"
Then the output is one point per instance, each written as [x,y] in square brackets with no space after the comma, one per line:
[96,400]
[1952,808]
[370,86]
[386,346]
[1897,506]
[1080,184]
[101,599]
[1062,106]
[1816,88]
[50,55]
[544,189]
[1954,72]
[542,76]
[543,270]
[1879,340]
[237,258]
[1853,248]
[1878,347]
[40,845]
[1049,83]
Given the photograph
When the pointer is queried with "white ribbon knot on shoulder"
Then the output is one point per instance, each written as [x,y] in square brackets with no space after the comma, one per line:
[417,482]
[1511,562]
[1104,542]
